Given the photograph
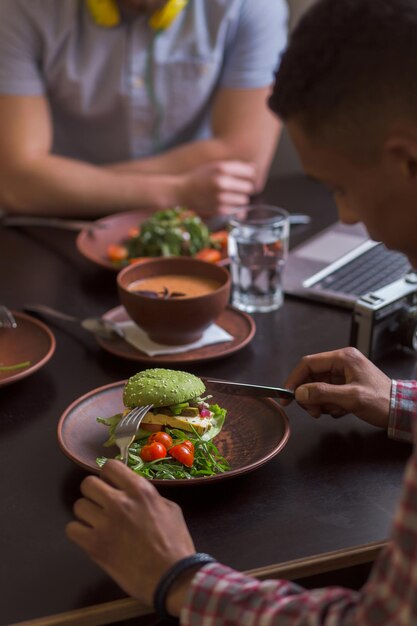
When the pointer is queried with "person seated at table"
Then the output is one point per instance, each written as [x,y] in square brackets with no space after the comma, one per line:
[134,108]
[347,90]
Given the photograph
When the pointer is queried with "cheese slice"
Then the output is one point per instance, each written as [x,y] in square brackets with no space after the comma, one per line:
[200,424]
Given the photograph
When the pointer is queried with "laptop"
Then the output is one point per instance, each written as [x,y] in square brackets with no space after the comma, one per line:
[340,264]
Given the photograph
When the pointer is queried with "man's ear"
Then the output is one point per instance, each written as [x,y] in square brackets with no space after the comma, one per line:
[400,154]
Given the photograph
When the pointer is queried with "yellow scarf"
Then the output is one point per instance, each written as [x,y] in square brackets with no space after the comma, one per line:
[106,13]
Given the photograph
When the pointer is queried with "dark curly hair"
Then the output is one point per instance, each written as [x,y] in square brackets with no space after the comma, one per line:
[350,68]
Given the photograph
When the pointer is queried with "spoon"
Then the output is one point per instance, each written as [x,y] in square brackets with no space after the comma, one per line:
[97,325]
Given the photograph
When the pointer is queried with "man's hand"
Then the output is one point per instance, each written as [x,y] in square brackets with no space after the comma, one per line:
[218,187]
[341,382]
[134,534]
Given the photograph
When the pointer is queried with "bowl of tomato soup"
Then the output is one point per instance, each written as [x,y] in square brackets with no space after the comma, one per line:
[174,299]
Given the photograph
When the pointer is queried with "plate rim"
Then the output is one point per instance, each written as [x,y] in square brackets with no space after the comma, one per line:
[19,375]
[83,235]
[182,481]
[166,358]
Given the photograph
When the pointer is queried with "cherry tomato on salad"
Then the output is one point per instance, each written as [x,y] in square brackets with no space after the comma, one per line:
[133,232]
[220,237]
[209,254]
[189,444]
[161,437]
[153,451]
[183,454]
[138,259]
[117,253]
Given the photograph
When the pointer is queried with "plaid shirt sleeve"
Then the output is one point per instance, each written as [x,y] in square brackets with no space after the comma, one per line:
[403,409]
[220,596]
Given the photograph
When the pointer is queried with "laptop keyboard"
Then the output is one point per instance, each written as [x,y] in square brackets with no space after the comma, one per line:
[372,270]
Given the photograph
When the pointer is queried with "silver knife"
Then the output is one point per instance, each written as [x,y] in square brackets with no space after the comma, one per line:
[245,389]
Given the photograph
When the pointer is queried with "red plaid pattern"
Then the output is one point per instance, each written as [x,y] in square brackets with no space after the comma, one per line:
[220,596]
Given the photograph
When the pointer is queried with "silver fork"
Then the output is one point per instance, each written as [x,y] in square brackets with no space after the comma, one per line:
[127,428]
[7,319]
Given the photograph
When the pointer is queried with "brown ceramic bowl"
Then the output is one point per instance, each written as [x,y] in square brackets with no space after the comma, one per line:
[174,320]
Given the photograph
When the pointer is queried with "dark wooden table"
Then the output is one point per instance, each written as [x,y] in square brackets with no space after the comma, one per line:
[326,501]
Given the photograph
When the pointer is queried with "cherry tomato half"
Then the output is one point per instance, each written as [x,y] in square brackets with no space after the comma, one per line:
[161,437]
[133,232]
[209,254]
[181,453]
[116,252]
[138,259]
[220,238]
[153,451]
[189,444]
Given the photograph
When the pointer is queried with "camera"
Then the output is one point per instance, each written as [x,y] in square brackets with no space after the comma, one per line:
[386,319]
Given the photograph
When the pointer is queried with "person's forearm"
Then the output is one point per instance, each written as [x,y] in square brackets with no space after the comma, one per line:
[53,185]
[233,598]
[189,156]
[180,159]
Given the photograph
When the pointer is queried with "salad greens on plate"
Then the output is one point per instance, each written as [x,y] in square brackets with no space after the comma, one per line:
[170,232]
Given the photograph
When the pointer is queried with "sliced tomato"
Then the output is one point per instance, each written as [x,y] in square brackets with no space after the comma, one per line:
[138,259]
[161,437]
[153,451]
[189,444]
[117,252]
[133,232]
[209,254]
[220,238]
[181,453]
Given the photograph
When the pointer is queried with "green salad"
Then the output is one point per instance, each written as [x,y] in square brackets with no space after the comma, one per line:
[171,232]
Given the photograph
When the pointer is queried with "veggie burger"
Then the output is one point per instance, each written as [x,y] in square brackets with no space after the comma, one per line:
[182,425]
[176,397]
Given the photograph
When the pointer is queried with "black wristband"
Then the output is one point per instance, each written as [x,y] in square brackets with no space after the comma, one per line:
[159,599]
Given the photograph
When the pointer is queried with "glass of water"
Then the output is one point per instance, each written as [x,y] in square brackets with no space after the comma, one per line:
[258,248]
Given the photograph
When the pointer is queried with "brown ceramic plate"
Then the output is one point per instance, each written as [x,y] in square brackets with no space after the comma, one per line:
[30,341]
[240,325]
[255,430]
[92,243]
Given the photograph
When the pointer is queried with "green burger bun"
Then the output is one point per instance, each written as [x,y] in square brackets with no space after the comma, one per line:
[161,387]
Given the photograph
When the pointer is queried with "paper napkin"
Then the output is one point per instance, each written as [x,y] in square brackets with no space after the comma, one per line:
[140,340]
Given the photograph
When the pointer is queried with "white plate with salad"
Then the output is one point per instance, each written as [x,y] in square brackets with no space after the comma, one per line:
[227,435]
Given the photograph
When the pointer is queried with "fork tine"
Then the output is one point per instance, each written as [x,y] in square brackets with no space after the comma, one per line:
[134,414]
[131,419]
[127,428]
[7,319]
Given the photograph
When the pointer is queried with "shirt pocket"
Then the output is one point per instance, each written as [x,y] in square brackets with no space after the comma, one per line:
[185,89]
